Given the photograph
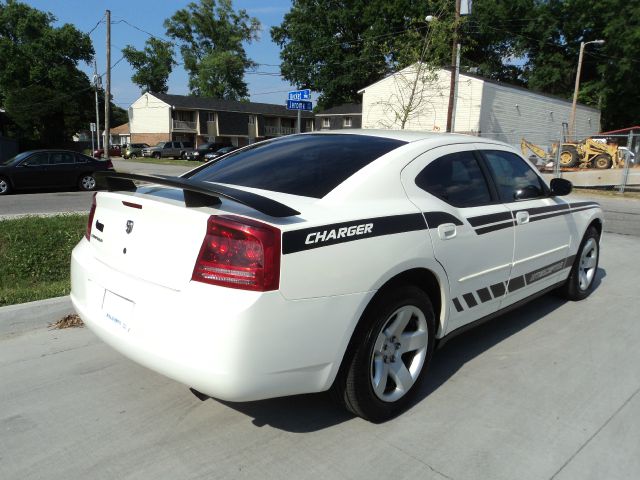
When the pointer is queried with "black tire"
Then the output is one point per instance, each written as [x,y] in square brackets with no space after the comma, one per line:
[602,161]
[133,156]
[157,155]
[584,269]
[5,186]
[87,182]
[569,157]
[373,354]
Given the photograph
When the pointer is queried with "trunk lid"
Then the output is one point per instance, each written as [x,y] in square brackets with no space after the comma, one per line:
[147,237]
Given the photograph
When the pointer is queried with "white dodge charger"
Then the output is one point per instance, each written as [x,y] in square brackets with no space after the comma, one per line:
[326,261]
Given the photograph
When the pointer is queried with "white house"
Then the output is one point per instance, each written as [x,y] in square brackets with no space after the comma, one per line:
[483,107]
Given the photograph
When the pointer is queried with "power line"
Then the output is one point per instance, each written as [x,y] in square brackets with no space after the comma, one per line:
[96,25]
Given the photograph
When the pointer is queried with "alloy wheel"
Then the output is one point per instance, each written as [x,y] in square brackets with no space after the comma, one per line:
[399,353]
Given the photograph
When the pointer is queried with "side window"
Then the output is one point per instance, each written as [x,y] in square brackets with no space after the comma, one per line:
[514,179]
[457,179]
[37,159]
[61,158]
[81,158]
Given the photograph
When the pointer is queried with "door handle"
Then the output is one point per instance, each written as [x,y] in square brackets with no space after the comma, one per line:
[522,217]
[447,231]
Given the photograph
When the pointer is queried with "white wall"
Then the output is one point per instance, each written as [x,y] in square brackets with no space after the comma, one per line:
[148,114]
[483,107]
[538,118]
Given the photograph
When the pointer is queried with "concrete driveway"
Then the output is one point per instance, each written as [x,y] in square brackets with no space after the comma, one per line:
[549,391]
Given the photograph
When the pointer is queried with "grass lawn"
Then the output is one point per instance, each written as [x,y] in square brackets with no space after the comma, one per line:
[165,161]
[35,253]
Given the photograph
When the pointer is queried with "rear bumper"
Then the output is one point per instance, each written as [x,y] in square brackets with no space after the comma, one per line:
[231,344]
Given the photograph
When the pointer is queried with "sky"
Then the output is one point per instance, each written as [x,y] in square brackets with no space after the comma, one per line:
[149,15]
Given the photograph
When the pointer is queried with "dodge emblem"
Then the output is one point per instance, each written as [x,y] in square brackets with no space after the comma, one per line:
[129,226]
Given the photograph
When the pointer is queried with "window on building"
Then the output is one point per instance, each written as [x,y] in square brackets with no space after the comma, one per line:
[457,179]
[211,116]
[514,179]
[252,120]
[347,122]
[326,122]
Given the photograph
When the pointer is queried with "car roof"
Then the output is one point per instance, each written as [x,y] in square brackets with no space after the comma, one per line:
[49,150]
[404,135]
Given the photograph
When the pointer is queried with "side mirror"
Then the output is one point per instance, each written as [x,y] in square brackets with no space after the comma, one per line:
[560,187]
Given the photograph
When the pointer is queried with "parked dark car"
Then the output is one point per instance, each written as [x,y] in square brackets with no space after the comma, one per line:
[133,150]
[203,149]
[114,151]
[50,168]
[218,153]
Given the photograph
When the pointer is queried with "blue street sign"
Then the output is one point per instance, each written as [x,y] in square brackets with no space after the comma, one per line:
[299,105]
[300,95]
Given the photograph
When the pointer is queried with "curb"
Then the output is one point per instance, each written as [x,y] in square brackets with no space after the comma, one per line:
[24,317]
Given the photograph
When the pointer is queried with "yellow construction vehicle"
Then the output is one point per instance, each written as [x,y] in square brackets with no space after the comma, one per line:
[589,153]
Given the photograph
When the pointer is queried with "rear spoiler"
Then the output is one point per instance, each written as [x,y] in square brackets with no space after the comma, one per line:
[197,193]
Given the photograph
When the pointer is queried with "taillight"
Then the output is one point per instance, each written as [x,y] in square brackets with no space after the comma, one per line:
[109,165]
[92,212]
[239,253]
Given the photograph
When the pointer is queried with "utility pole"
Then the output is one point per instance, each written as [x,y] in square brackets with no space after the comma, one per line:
[454,69]
[572,122]
[97,83]
[107,90]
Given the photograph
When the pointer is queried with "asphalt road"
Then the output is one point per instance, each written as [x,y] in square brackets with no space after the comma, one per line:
[49,202]
[549,391]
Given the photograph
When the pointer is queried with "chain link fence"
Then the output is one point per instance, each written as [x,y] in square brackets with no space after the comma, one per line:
[587,160]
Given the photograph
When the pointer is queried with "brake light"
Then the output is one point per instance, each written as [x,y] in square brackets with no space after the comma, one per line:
[109,165]
[92,212]
[239,253]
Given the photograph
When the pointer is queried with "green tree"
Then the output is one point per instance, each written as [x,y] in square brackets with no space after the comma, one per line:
[152,65]
[46,97]
[211,37]
[610,73]
[337,48]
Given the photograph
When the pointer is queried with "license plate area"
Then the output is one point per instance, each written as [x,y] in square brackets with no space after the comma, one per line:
[118,311]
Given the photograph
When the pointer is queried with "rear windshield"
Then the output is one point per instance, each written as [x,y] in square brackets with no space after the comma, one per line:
[307,165]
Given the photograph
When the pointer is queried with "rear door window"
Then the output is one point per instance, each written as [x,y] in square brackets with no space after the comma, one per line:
[307,165]
[457,179]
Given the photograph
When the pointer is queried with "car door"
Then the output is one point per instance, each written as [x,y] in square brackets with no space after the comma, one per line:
[33,171]
[62,169]
[471,230]
[543,224]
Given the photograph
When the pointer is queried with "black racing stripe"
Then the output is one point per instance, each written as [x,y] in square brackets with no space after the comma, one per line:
[516,283]
[484,294]
[456,303]
[582,209]
[325,235]
[584,204]
[498,289]
[549,215]
[544,272]
[493,228]
[435,219]
[469,298]
[569,261]
[549,208]
[490,218]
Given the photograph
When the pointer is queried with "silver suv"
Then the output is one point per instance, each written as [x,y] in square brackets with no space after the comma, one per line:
[168,149]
